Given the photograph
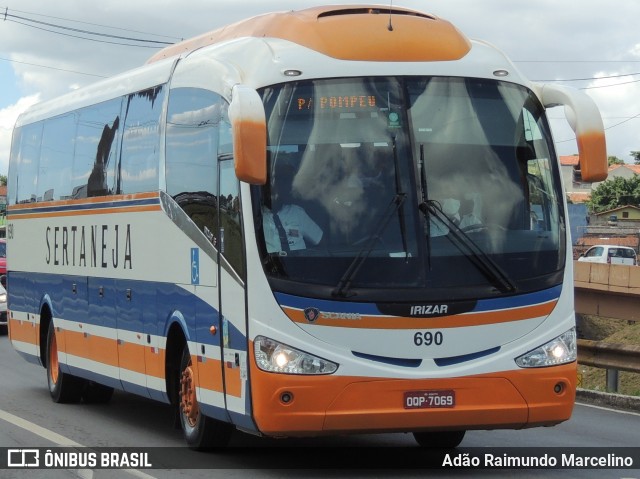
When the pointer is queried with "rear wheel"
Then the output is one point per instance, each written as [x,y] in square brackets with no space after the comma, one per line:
[63,387]
[441,439]
[200,431]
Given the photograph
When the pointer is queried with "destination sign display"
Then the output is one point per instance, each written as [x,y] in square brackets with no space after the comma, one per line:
[347,102]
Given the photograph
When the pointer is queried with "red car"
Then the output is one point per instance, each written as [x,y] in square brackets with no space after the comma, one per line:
[3,256]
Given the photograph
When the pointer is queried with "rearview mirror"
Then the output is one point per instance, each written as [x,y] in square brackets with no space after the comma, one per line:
[248,121]
[585,120]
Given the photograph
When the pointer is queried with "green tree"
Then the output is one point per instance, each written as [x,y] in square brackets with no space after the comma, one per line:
[614,193]
[636,157]
[3,180]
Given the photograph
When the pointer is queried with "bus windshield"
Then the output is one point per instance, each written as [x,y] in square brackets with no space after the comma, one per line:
[406,188]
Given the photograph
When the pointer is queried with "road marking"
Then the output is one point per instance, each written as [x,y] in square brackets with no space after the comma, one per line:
[62,441]
[621,411]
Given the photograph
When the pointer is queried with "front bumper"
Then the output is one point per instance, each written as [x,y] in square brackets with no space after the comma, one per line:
[337,404]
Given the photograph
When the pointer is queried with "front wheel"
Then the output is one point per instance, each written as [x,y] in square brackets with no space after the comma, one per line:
[440,439]
[63,387]
[200,431]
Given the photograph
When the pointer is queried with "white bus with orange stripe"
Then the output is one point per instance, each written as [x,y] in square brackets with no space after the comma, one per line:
[338,220]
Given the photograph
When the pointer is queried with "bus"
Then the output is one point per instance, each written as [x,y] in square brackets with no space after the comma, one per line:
[339,220]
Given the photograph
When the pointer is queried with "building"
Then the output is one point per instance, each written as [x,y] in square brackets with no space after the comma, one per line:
[577,190]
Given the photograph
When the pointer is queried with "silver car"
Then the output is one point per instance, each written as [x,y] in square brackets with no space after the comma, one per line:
[609,254]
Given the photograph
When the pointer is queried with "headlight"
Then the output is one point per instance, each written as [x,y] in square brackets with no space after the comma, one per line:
[561,350]
[3,298]
[275,357]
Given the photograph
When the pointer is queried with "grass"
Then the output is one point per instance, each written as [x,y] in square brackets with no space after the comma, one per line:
[611,331]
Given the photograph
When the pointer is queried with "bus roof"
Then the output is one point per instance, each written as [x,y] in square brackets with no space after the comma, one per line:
[365,33]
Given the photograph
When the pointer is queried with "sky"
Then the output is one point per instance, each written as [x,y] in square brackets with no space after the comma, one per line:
[584,44]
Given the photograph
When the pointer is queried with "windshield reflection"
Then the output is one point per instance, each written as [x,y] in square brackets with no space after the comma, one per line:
[351,160]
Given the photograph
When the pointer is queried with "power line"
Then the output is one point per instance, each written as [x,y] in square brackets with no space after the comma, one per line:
[88,32]
[33,23]
[52,68]
[6,9]
[607,128]
[576,61]
[589,78]
[608,86]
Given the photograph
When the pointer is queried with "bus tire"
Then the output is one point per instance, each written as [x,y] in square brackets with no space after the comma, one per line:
[200,431]
[95,393]
[63,387]
[439,439]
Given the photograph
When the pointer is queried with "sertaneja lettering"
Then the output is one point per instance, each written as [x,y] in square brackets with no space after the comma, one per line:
[95,246]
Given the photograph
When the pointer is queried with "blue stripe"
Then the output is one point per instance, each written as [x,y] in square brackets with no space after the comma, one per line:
[299,302]
[86,206]
[441,362]
[370,309]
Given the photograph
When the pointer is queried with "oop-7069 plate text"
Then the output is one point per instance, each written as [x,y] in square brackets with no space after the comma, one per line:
[429,399]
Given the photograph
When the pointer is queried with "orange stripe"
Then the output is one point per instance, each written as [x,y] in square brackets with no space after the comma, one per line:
[105,211]
[458,321]
[209,374]
[233,381]
[102,350]
[155,362]
[127,355]
[84,201]
[23,331]
[70,342]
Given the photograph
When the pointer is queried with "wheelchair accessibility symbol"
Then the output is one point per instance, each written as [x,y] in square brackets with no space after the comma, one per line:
[195,266]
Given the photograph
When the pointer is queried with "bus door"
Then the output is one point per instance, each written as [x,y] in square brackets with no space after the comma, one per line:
[232,296]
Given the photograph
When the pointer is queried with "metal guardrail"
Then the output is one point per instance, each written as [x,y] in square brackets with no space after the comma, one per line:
[611,291]
[622,357]
[610,356]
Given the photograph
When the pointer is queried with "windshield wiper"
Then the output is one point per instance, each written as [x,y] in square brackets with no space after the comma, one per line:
[395,206]
[399,193]
[345,281]
[469,248]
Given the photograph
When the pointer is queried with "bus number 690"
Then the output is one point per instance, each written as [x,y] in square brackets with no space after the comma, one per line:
[428,338]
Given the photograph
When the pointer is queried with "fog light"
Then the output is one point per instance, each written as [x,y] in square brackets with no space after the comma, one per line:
[286,397]
[558,388]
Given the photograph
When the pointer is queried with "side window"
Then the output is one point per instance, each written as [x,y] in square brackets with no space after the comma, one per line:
[231,241]
[27,158]
[56,158]
[193,121]
[594,252]
[138,168]
[96,150]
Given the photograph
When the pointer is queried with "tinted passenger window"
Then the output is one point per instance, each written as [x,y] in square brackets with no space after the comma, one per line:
[96,150]
[28,155]
[193,121]
[56,158]
[138,170]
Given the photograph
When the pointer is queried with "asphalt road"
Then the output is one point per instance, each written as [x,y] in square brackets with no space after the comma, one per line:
[28,418]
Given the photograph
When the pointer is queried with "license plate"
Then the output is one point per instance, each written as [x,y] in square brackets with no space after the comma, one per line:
[429,399]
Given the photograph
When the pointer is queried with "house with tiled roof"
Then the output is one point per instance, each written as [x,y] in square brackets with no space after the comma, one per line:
[624,171]
[624,216]
[577,190]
